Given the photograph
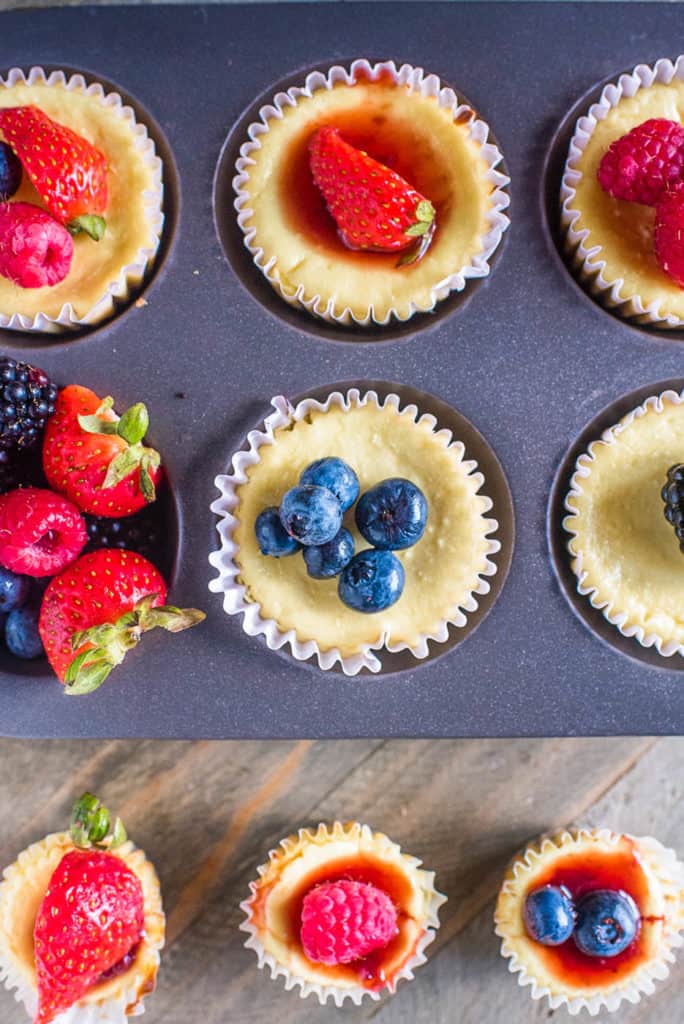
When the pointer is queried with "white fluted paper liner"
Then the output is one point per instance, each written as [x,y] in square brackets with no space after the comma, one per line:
[381,844]
[586,257]
[419,81]
[235,601]
[662,866]
[583,468]
[128,277]
[125,994]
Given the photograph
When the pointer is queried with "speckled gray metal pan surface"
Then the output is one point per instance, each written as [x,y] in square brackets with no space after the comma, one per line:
[527,359]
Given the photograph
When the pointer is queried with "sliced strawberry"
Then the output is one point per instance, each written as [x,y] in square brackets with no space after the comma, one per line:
[97,610]
[67,171]
[92,915]
[374,207]
[97,459]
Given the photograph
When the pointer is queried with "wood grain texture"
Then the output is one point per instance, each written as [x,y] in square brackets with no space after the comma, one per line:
[207,814]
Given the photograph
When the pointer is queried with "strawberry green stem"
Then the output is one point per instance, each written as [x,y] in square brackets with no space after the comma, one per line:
[88,224]
[108,644]
[90,825]
[131,428]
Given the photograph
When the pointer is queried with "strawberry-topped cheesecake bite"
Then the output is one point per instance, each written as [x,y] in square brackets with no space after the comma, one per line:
[341,913]
[81,551]
[622,196]
[80,201]
[590,917]
[370,195]
[81,923]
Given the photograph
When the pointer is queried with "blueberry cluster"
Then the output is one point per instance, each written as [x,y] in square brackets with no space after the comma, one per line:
[27,398]
[673,496]
[602,923]
[20,598]
[140,532]
[391,516]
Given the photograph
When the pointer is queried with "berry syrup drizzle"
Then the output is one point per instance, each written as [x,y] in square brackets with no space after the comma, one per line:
[582,873]
[392,142]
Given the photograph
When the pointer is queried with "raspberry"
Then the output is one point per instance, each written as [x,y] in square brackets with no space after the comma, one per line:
[40,532]
[35,249]
[345,921]
[669,233]
[640,165]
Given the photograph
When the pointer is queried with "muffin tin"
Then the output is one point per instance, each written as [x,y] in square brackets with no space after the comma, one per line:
[528,360]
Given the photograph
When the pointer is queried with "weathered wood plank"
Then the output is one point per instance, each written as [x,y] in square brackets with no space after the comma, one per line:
[467,980]
[208,813]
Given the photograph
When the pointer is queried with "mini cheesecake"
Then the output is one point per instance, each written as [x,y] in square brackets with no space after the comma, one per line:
[100,271]
[616,254]
[350,852]
[444,570]
[417,131]
[120,991]
[625,554]
[581,862]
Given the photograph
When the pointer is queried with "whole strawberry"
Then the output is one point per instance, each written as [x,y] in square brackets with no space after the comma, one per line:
[640,165]
[67,171]
[97,459]
[35,250]
[374,207]
[669,233]
[97,610]
[92,914]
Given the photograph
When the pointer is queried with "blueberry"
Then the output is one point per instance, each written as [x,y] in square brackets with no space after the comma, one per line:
[607,923]
[10,171]
[337,476]
[21,632]
[14,590]
[272,537]
[312,515]
[373,581]
[549,915]
[392,515]
[328,560]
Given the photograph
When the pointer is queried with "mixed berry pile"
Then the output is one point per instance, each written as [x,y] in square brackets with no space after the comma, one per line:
[391,516]
[79,533]
[647,166]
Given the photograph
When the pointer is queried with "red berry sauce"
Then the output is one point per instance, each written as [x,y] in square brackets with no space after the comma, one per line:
[399,146]
[581,873]
[379,968]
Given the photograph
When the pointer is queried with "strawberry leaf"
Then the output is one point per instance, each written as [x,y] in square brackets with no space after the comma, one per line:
[173,620]
[134,424]
[90,821]
[121,467]
[89,678]
[95,425]
[88,223]
[425,211]
[415,230]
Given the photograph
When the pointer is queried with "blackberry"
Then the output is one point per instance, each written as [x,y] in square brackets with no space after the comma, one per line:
[22,468]
[140,532]
[27,398]
[673,496]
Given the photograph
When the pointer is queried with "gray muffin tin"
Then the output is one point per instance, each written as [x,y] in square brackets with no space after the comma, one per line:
[525,357]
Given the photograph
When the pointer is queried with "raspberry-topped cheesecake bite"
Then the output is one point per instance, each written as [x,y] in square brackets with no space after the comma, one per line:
[80,201]
[369,194]
[341,913]
[591,917]
[81,923]
[623,195]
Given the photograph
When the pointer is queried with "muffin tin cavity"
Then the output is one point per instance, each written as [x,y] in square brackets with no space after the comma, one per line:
[495,487]
[552,174]
[32,338]
[242,263]
[558,537]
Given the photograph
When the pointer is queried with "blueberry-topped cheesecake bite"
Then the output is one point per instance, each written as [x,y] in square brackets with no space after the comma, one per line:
[625,520]
[590,917]
[341,913]
[388,530]
[81,923]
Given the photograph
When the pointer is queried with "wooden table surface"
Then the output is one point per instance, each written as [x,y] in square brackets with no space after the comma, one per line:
[207,814]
